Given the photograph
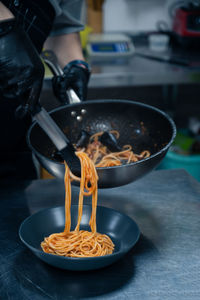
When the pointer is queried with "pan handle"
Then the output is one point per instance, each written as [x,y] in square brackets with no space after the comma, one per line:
[51,60]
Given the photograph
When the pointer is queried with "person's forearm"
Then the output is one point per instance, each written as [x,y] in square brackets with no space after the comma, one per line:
[5,13]
[66,47]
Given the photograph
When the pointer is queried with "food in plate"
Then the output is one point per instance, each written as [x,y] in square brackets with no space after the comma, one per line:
[80,243]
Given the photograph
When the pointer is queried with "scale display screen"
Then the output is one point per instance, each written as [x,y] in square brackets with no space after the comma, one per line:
[110,47]
[105,45]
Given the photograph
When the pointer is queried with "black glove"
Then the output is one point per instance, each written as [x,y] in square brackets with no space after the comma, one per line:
[20,66]
[76,76]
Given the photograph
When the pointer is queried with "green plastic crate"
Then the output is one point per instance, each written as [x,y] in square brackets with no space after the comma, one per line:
[191,163]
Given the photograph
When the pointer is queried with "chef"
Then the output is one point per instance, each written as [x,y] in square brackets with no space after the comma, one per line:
[26,27]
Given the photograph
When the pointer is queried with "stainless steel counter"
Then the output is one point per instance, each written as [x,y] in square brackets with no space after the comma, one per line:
[161,84]
[140,71]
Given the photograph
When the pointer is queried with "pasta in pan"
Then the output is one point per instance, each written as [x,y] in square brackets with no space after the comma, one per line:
[103,157]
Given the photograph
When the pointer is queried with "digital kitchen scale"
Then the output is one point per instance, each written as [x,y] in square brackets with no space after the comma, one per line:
[108,45]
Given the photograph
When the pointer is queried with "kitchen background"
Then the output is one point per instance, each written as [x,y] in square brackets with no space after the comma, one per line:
[147,51]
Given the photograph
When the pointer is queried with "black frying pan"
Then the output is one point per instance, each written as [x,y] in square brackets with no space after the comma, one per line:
[142,126]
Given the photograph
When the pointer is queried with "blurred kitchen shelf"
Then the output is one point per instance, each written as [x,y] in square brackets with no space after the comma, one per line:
[138,70]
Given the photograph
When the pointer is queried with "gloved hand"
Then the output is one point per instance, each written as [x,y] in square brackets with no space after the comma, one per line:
[76,76]
[20,66]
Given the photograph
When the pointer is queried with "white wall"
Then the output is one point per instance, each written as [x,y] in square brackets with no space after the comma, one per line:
[135,15]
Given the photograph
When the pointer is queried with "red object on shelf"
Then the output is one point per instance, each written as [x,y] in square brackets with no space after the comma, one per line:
[186,22]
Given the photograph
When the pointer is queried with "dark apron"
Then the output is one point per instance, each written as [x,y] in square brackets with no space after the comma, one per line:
[36,18]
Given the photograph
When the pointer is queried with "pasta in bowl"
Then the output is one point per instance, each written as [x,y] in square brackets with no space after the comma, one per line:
[77,239]
[122,229]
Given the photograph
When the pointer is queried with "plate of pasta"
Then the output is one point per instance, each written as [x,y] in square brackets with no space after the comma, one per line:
[121,229]
[80,237]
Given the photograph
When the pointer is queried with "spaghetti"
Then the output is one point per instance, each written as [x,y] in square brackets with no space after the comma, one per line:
[80,243]
[102,157]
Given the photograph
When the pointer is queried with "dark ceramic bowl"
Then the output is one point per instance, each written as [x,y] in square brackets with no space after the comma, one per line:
[123,231]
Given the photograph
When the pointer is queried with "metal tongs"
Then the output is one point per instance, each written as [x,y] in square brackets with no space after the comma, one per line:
[59,139]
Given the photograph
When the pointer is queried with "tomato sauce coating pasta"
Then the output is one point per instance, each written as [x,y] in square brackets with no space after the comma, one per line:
[80,243]
[102,157]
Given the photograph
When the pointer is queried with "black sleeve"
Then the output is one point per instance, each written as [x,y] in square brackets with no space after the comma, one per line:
[36,17]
